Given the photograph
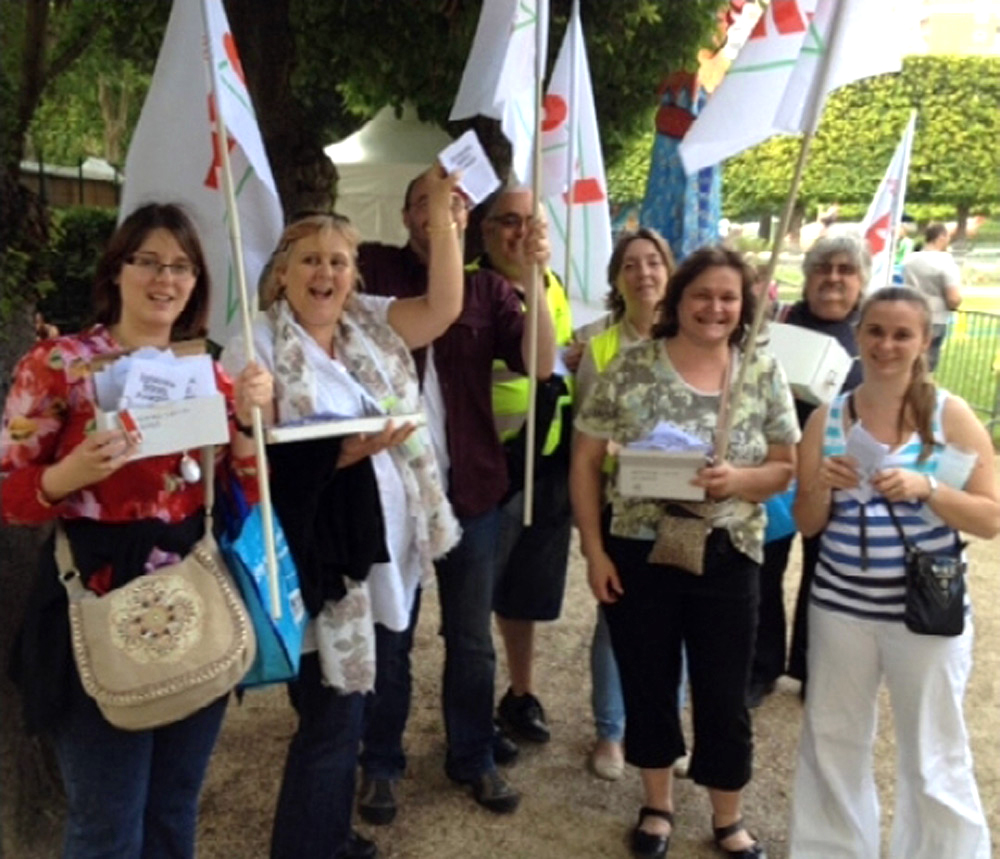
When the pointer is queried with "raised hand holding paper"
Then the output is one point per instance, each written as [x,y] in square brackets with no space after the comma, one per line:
[466,155]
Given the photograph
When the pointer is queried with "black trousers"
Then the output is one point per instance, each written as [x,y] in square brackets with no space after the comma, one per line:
[714,617]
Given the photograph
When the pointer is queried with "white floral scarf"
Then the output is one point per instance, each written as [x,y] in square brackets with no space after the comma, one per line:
[378,360]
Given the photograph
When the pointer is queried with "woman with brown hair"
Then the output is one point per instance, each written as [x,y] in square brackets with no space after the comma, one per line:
[129,793]
[858,633]
[682,375]
[640,265]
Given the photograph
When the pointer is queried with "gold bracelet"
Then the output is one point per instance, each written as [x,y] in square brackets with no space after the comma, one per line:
[433,230]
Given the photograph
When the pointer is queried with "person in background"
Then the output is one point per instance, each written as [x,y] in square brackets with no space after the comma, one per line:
[679,375]
[858,637]
[640,266]
[128,793]
[933,272]
[455,372]
[532,561]
[835,269]
[337,350]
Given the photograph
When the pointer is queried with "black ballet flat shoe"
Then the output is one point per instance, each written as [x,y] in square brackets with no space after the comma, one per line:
[646,844]
[721,833]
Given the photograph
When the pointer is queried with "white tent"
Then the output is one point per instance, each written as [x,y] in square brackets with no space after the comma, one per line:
[375,165]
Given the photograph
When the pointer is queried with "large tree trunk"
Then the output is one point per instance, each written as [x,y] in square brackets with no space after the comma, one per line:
[305,177]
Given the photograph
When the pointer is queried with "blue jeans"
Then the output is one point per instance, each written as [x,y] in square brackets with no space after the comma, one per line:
[132,794]
[606,686]
[313,818]
[466,580]
[387,710]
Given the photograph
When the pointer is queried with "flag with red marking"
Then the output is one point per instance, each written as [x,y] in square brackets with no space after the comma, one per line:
[573,175]
[881,222]
[771,85]
[174,156]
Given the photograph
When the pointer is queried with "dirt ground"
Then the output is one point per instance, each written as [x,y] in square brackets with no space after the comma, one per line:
[565,812]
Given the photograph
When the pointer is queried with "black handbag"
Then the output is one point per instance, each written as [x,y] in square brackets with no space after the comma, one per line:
[935,587]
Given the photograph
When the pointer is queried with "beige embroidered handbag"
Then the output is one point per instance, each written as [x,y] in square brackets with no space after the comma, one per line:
[166,644]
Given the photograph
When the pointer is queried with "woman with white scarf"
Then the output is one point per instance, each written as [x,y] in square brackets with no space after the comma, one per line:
[335,350]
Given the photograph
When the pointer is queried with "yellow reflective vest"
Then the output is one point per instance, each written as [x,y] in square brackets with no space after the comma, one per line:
[604,346]
[510,389]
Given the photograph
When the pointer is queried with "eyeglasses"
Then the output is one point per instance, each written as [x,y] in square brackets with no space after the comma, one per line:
[511,220]
[152,267]
[844,268]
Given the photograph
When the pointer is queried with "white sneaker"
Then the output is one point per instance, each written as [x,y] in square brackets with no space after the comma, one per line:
[681,766]
[607,760]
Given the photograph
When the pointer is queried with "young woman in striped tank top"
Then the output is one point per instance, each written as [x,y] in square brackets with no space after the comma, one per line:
[857,634]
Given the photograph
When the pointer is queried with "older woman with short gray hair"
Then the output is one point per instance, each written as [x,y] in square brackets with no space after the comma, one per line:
[836,269]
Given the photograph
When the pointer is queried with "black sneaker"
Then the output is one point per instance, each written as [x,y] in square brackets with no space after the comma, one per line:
[494,793]
[376,801]
[358,847]
[505,750]
[524,716]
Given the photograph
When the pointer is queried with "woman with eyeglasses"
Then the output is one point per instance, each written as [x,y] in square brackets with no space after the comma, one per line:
[836,268]
[365,517]
[129,793]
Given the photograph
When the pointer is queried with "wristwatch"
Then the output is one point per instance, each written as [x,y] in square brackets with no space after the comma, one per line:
[932,486]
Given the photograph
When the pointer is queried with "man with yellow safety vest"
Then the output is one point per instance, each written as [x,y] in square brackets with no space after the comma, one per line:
[533,560]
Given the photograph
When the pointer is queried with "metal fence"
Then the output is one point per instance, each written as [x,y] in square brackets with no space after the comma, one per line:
[970,364]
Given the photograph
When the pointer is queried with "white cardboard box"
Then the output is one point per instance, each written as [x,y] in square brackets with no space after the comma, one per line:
[176,426]
[659,474]
[815,364]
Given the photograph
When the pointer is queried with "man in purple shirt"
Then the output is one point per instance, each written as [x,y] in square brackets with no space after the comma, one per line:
[456,376]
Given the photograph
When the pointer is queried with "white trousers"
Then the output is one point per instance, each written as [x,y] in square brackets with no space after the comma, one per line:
[835,811]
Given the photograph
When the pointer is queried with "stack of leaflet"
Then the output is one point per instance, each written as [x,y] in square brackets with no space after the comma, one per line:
[662,465]
[170,403]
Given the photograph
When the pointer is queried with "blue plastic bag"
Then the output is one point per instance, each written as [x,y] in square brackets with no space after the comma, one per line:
[279,642]
[780,522]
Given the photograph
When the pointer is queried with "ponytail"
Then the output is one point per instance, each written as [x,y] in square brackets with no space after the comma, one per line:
[921,397]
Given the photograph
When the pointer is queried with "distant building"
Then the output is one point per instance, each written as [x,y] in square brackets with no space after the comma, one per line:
[93,182]
[963,27]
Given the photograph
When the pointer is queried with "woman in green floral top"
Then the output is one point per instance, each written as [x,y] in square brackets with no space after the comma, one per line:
[654,610]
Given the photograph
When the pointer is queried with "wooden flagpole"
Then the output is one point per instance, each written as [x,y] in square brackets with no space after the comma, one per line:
[537,277]
[236,240]
[813,110]
[574,126]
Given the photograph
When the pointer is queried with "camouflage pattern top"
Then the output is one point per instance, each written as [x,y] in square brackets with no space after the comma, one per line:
[640,388]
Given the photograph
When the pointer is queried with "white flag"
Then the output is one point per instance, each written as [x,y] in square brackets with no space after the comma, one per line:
[174,154]
[570,133]
[767,89]
[499,76]
[886,210]
[867,44]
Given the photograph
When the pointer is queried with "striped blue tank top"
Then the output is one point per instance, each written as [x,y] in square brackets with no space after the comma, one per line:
[843,581]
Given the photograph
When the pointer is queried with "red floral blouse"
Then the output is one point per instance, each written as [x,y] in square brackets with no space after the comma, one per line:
[49,411]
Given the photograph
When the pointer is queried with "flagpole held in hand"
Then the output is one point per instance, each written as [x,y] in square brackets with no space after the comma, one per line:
[236,239]
[813,111]
[537,278]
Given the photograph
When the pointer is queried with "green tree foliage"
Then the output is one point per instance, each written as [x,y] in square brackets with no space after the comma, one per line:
[318,70]
[956,150]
